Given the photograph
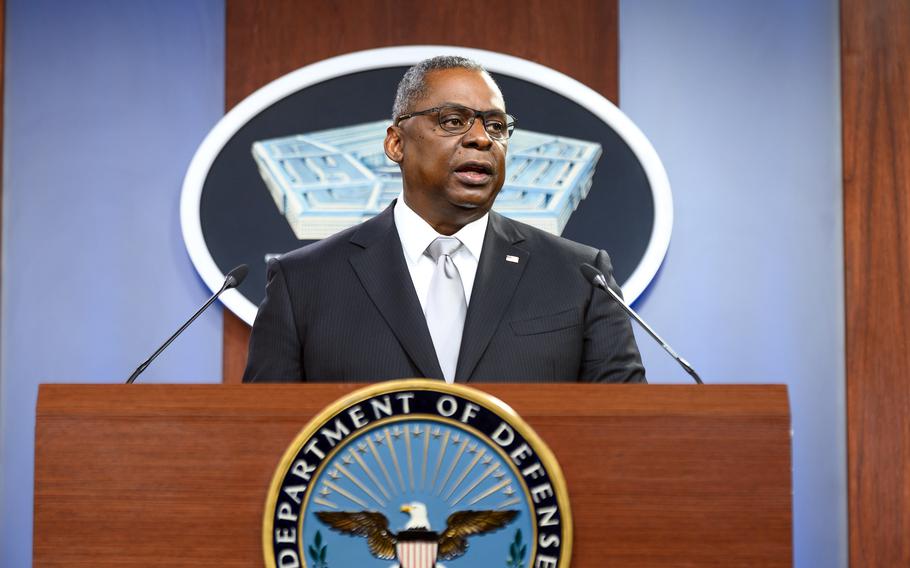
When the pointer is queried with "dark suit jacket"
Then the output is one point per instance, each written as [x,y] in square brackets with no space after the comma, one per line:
[344,309]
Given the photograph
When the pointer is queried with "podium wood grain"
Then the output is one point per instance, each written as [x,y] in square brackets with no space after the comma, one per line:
[177,475]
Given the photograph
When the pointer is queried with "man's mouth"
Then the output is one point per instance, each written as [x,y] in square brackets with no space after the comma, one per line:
[474,173]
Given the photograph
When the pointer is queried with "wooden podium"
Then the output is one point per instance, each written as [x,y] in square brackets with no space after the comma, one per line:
[177,475]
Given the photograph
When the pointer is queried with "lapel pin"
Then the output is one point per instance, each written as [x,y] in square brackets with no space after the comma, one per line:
[511,258]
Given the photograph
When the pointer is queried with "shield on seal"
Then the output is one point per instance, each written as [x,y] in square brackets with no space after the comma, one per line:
[417,550]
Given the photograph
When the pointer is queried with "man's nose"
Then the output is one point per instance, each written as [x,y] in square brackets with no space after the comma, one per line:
[477,136]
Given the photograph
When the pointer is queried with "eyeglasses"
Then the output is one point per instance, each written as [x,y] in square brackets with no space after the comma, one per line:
[458,120]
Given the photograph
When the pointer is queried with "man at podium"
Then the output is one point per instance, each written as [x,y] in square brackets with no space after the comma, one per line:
[438,285]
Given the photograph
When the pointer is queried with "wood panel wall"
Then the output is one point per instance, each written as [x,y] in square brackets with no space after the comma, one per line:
[875,48]
[270,38]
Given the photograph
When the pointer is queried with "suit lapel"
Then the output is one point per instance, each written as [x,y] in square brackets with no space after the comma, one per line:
[382,270]
[497,278]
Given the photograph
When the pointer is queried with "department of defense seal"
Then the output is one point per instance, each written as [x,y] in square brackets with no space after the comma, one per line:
[417,474]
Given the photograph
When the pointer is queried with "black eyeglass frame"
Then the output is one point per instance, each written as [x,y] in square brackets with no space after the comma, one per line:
[510,120]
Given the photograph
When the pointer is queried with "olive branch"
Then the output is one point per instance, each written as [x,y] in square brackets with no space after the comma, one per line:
[517,551]
[317,552]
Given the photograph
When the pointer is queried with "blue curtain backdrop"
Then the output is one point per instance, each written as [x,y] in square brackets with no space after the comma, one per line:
[106,102]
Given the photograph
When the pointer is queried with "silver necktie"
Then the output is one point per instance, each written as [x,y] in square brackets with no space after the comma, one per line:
[446,306]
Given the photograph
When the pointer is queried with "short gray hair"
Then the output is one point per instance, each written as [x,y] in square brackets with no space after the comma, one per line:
[414,83]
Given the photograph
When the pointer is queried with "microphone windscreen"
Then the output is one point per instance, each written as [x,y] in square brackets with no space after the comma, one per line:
[590,273]
[235,277]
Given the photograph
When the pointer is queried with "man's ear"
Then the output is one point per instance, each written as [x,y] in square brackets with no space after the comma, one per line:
[394,144]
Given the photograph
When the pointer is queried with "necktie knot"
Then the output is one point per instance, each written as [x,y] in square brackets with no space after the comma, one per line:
[442,246]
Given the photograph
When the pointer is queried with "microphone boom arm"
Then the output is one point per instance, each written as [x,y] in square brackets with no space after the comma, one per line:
[596,278]
[232,280]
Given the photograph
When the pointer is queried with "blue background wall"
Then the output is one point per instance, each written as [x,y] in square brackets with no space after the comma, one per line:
[107,101]
[742,102]
[105,105]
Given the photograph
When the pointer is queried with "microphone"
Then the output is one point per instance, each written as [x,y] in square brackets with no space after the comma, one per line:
[596,278]
[232,280]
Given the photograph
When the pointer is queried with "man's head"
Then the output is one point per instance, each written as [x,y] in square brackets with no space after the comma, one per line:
[451,173]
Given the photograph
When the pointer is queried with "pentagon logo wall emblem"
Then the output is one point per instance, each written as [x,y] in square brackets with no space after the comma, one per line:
[417,474]
[324,182]
[302,158]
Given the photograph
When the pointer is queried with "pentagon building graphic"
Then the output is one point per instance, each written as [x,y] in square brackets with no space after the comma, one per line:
[326,181]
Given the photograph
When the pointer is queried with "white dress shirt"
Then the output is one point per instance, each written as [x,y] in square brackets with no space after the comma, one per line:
[416,235]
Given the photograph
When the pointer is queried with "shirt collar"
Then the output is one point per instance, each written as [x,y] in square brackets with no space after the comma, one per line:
[416,234]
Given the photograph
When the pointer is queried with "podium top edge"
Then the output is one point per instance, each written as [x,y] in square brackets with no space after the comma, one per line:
[294,400]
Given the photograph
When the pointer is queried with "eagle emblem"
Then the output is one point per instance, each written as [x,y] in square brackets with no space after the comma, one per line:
[417,545]
[444,455]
